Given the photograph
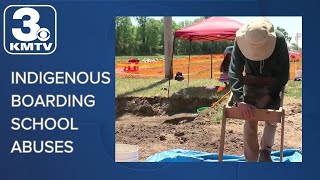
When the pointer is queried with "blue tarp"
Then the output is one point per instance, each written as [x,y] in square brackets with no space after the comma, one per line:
[180,155]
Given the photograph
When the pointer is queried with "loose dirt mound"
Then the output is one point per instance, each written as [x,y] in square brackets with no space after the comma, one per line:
[159,131]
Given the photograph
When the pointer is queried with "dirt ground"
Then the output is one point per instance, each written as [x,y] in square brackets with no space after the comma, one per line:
[159,124]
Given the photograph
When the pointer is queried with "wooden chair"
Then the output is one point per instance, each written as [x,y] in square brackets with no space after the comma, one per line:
[270,115]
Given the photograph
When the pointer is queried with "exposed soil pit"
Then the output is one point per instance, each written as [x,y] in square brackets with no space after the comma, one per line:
[158,124]
[153,106]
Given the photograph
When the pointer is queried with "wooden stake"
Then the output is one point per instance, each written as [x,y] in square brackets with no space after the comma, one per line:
[222,136]
[282,135]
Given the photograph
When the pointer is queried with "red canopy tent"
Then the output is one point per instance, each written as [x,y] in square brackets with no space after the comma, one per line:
[209,29]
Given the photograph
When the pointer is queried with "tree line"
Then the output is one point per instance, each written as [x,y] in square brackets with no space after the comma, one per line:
[146,38]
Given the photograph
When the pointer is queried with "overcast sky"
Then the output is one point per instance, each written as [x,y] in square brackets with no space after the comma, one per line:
[292,24]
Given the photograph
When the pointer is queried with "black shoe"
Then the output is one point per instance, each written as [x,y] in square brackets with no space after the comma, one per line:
[264,156]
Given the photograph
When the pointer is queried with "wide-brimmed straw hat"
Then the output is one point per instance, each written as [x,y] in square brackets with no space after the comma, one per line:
[256,39]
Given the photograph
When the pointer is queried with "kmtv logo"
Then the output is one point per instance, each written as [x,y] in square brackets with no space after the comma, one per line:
[30,29]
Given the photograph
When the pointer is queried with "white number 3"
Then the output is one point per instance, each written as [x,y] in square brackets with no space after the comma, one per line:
[31,24]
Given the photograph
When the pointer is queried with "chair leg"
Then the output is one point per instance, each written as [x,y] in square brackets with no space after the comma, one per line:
[282,135]
[222,136]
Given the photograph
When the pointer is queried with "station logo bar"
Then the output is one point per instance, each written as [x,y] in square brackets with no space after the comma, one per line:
[30,29]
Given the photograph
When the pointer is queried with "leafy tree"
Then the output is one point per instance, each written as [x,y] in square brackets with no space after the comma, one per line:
[124,36]
[294,46]
[146,38]
[142,34]
[154,31]
[285,33]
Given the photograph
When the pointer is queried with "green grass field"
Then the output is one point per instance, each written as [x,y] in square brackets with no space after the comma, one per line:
[197,87]
[158,57]
[294,89]
[126,58]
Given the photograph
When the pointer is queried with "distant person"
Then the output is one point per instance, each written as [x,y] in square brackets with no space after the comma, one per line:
[224,69]
[179,76]
[260,51]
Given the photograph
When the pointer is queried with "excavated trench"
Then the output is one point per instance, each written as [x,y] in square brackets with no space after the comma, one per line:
[153,106]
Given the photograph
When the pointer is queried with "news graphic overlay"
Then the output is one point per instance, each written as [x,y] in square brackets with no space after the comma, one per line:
[30,129]
[30,29]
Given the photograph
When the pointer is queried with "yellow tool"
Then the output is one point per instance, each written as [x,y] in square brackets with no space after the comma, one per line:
[217,102]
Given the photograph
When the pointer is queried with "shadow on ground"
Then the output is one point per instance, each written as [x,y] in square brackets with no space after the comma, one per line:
[143,88]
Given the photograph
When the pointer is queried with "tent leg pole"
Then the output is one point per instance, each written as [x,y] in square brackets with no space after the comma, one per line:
[211,59]
[189,61]
[211,64]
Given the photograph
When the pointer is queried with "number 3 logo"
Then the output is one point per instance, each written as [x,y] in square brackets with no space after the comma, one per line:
[31,24]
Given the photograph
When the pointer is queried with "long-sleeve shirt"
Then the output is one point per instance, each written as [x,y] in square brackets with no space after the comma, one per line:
[276,67]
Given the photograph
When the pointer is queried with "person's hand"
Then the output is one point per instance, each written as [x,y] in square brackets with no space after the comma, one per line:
[263,102]
[246,110]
